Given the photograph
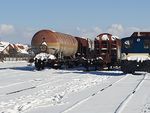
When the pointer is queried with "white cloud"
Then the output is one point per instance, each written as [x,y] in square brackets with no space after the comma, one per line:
[129,31]
[97,30]
[14,34]
[116,29]
[28,33]
[24,35]
[89,33]
[6,29]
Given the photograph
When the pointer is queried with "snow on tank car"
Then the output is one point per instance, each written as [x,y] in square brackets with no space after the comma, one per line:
[135,53]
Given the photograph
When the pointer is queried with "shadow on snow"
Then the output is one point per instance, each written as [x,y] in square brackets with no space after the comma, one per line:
[98,73]
[102,73]
[73,70]
[24,68]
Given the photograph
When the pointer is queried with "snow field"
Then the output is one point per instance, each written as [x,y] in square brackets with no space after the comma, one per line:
[25,90]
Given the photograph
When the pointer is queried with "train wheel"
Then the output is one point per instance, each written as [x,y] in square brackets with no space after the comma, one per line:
[131,68]
[148,66]
[123,69]
[37,66]
[148,69]
[128,67]
[132,72]
[126,70]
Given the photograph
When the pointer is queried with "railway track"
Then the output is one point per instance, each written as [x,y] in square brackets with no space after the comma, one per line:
[92,95]
[123,104]
[119,106]
[32,85]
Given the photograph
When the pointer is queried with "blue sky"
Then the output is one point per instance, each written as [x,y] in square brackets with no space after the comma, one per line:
[21,19]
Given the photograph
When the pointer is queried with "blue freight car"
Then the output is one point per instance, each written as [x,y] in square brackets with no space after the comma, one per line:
[135,53]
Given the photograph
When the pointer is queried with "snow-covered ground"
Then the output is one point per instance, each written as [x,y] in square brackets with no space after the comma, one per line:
[25,90]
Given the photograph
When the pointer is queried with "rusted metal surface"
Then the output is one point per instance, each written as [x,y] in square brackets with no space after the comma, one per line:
[107,47]
[56,42]
[81,41]
[82,46]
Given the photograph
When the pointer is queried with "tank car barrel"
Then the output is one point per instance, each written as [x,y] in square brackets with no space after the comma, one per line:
[61,43]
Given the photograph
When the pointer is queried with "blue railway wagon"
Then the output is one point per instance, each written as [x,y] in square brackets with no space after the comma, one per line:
[135,53]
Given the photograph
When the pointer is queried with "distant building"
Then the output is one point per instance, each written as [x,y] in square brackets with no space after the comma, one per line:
[13,50]
[21,49]
[6,49]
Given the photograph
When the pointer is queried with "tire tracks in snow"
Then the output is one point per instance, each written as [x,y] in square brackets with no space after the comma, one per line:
[129,97]
[14,74]
[33,86]
[28,88]
[20,90]
[92,95]
[121,106]
[31,101]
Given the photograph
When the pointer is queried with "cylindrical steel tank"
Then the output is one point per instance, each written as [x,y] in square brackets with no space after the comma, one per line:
[56,43]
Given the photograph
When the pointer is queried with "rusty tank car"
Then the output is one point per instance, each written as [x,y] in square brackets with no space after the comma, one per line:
[56,49]
[54,43]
